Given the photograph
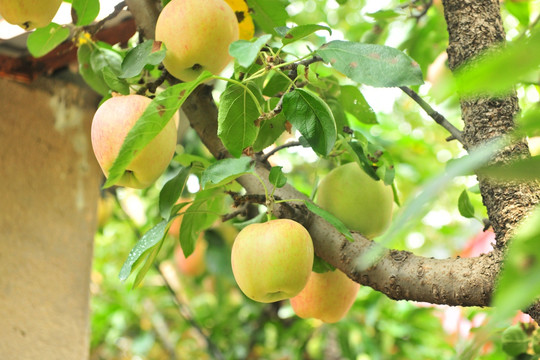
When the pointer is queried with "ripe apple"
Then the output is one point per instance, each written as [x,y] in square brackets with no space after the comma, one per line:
[272,261]
[112,122]
[29,14]
[194,264]
[327,296]
[361,203]
[197,35]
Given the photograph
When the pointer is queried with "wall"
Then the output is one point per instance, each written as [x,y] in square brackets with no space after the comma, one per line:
[49,186]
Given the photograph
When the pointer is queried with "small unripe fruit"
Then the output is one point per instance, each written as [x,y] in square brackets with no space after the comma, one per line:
[360,202]
[272,261]
[112,122]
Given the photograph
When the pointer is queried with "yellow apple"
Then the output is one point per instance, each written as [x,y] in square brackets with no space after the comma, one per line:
[112,122]
[272,261]
[29,14]
[327,296]
[194,264]
[360,202]
[197,35]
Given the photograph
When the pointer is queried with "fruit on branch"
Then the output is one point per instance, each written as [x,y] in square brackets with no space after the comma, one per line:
[194,264]
[197,35]
[360,202]
[327,296]
[29,14]
[272,261]
[112,122]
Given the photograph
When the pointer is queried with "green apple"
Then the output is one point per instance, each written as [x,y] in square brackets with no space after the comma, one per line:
[272,261]
[360,202]
[194,264]
[197,35]
[112,122]
[29,14]
[327,296]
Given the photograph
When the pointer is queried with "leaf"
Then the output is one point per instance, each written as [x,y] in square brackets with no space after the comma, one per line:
[270,130]
[354,103]
[85,11]
[269,14]
[172,190]
[149,261]
[276,177]
[357,151]
[519,281]
[238,112]
[153,120]
[92,78]
[339,114]
[465,207]
[313,118]
[299,32]
[114,83]
[45,39]
[522,170]
[374,65]
[151,238]
[137,58]
[102,57]
[277,83]
[320,266]
[334,221]
[514,340]
[225,171]
[246,51]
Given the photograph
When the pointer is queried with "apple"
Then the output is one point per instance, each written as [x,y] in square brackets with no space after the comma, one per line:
[197,35]
[29,14]
[360,202]
[112,122]
[194,264]
[272,261]
[327,296]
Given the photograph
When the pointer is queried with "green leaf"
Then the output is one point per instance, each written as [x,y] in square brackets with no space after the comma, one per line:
[153,120]
[519,281]
[115,83]
[246,51]
[313,118]
[522,170]
[85,11]
[339,114]
[277,83]
[172,190]
[151,238]
[269,14]
[374,65]
[45,39]
[514,340]
[200,215]
[354,103]
[299,32]
[334,221]
[102,57]
[465,206]
[270,130]
[238,112]
[357,151]
[320,266]
[149,261]
[276,177]
[137,58]
[92,78]
[225,171]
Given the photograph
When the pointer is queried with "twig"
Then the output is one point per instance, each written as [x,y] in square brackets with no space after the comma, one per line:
[185,312]
[439,119]
[241,211]
[294,67]
[152,86]
[278,148]
[94,28]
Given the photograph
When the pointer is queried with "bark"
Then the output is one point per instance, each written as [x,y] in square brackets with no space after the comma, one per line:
[402,275]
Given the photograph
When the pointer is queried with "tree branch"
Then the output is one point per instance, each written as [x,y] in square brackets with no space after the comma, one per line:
[439,119]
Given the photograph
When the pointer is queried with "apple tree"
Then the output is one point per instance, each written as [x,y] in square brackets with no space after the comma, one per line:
[431,102]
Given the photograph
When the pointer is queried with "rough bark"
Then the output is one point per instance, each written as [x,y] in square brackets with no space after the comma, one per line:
[400,274]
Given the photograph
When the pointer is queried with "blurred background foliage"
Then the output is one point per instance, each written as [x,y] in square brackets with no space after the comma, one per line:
[211,313]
